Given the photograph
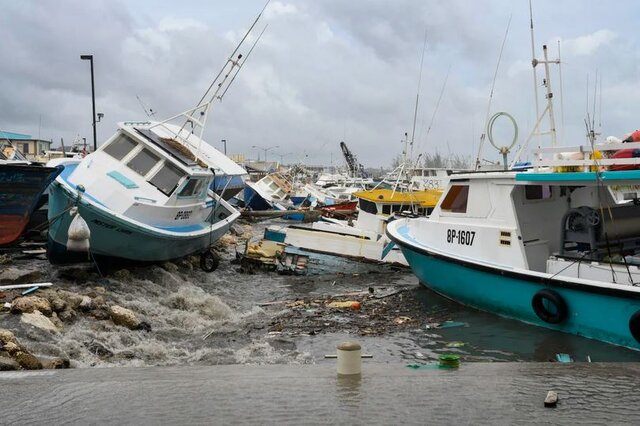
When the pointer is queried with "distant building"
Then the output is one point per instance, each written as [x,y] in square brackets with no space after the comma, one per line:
[238,158]
[33,149]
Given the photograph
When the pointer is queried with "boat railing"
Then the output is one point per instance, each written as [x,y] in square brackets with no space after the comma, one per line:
[585,157]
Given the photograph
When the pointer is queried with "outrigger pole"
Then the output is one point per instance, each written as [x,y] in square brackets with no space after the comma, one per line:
[197,116]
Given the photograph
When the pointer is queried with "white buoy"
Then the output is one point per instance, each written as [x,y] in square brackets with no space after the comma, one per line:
[349,358]
[78,233]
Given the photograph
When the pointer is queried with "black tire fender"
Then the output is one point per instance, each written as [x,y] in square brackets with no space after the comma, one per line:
[550,296]
[634,325]
[209,261]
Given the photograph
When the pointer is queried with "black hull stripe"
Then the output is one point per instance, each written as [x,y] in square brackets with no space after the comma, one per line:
[543,281]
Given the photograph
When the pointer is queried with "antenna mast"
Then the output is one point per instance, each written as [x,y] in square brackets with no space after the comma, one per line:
[549,108]
[533,61]
[493,85]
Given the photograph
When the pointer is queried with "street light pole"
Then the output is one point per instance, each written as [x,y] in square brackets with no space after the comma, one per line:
[93,100]
[224,141]
[265,150]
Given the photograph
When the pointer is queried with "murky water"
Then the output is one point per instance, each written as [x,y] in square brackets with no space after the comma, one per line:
[204,319]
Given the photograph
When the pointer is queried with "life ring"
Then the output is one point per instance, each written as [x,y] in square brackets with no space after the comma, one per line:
[559,310]
[634,325]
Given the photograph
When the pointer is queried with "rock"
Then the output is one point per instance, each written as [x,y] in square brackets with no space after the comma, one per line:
[18,276]
[100,290]
[101,313]
[123,275]
[99,302]
[27,360]
[68,315]
[86,304]
[3,294]
[57,364]
[5,259]
[56,321]
[6,336]
[57,304]
[99,349]
[8,364]
[73,300]
[11,348]
[38,320]
[170,267]
[124,317]
[28,304]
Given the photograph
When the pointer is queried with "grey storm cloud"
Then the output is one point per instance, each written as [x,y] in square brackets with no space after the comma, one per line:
[325,71]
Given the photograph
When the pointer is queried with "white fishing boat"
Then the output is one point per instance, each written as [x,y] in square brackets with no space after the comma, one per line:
[272,192]
[557,246]
[145,194]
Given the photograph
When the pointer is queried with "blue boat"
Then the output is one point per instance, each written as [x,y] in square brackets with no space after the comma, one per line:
[21,191]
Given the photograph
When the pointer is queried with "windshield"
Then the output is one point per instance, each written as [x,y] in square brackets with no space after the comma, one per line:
[10,152]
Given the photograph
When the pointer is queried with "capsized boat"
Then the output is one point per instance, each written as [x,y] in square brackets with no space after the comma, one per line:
[269,193]
[22,185]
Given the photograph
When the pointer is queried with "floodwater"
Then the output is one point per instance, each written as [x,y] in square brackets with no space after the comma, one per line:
[209,319]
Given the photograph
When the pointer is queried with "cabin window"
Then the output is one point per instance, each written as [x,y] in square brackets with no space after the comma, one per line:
[400,207]
[368,206]
[120,147]
[193,188]
[143,162]
[386,209]
[456,199]
[167,178]
[537,192]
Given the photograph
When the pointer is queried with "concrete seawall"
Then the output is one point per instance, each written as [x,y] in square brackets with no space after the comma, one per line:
[476,393]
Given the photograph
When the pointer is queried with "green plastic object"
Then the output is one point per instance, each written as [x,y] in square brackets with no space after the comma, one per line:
[449,361]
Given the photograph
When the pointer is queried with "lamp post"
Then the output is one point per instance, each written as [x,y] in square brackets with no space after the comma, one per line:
[93,99]
[224,141]
[266,150]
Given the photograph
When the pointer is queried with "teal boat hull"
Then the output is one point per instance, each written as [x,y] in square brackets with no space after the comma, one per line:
[593,312]
[114,237]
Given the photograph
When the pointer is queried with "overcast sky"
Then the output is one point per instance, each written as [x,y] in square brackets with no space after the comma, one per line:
[325,70]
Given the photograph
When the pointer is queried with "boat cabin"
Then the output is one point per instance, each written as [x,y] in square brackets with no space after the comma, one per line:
[582,224]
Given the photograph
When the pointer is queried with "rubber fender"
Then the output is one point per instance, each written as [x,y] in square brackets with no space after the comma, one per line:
[554,316]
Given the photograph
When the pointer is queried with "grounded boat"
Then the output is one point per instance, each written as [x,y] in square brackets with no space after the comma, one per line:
[365,238]
[269,193]
[146,194]
[143,195]
[21,190]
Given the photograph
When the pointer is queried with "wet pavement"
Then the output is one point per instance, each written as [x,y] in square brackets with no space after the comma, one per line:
[476,393]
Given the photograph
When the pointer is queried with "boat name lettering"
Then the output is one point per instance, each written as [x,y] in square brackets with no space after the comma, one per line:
[101,223]
[183,214]
[460,237]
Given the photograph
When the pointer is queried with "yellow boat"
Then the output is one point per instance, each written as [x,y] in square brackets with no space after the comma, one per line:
[387,201]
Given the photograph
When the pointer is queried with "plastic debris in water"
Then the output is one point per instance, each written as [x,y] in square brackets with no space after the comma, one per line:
[450,324]
[564,358]
[455,344]
[449,361]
